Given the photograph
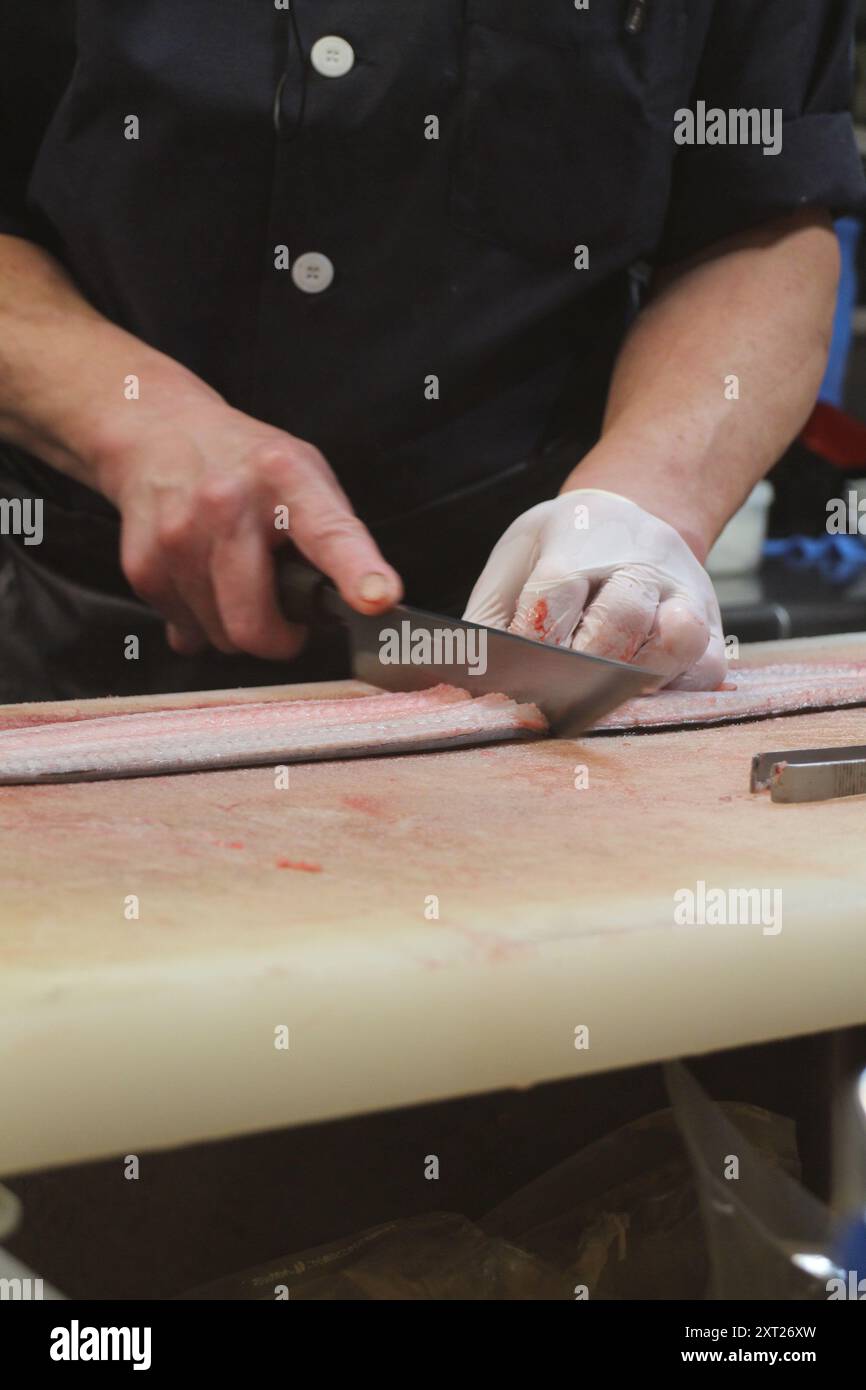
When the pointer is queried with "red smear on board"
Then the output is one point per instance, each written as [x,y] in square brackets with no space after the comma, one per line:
[299,864]
[368,804]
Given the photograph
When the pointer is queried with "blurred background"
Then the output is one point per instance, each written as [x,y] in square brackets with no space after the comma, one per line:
[778,571]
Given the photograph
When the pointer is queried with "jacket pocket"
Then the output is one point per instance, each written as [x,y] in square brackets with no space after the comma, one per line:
[565,133]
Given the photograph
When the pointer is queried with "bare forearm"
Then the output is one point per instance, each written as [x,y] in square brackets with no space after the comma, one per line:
[200,486]
[718,375]
[63,368]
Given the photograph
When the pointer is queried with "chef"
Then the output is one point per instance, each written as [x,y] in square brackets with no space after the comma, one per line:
[402,287]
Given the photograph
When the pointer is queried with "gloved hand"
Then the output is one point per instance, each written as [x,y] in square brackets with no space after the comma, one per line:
[593,571]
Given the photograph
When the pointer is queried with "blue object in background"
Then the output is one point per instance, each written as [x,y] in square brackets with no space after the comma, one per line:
[833,385]
[838,559]
[849,1252]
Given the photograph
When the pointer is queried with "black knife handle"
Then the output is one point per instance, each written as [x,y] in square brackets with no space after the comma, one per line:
[305,594]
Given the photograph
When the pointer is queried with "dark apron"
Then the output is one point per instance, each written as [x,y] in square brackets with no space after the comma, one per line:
[66,611]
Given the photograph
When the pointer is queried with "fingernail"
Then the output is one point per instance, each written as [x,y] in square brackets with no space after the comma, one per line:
[373,587]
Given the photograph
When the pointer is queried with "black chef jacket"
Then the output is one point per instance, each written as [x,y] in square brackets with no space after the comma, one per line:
[435,164]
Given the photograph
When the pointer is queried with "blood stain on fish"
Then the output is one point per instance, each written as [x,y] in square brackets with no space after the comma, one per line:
[538,618]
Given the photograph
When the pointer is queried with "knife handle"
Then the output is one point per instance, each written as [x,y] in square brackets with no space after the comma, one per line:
[305,594]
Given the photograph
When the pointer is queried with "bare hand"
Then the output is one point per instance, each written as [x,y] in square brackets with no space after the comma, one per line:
[204,498]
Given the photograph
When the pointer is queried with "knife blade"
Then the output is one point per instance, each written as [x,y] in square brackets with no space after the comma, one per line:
[409,648]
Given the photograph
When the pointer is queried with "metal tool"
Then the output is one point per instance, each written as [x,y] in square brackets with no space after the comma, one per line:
[810,774]
[410,649]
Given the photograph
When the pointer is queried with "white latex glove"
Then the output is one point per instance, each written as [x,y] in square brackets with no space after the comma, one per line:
[593,571]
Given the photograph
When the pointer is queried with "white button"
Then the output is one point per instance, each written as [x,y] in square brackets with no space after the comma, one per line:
[332,56]
[312,272]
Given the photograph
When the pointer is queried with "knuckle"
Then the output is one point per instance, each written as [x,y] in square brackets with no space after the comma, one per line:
[253,627]
[222,499]
[684,631]
[252,637]
[242,630]
[270,458]
[173,533]
[143,574]
[304,454]
[275,461]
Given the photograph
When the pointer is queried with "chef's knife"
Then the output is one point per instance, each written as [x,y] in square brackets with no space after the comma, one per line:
[409,649]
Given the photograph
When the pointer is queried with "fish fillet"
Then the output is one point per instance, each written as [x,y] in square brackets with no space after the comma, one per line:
[189,740]
[758,692]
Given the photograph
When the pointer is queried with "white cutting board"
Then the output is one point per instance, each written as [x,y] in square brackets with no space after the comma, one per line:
[310,908]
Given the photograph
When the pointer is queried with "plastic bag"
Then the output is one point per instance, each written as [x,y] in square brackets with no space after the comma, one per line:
[768,1238]
[621,1219]
[442,1256]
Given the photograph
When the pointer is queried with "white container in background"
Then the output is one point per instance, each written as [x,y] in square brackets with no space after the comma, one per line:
[738,549]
